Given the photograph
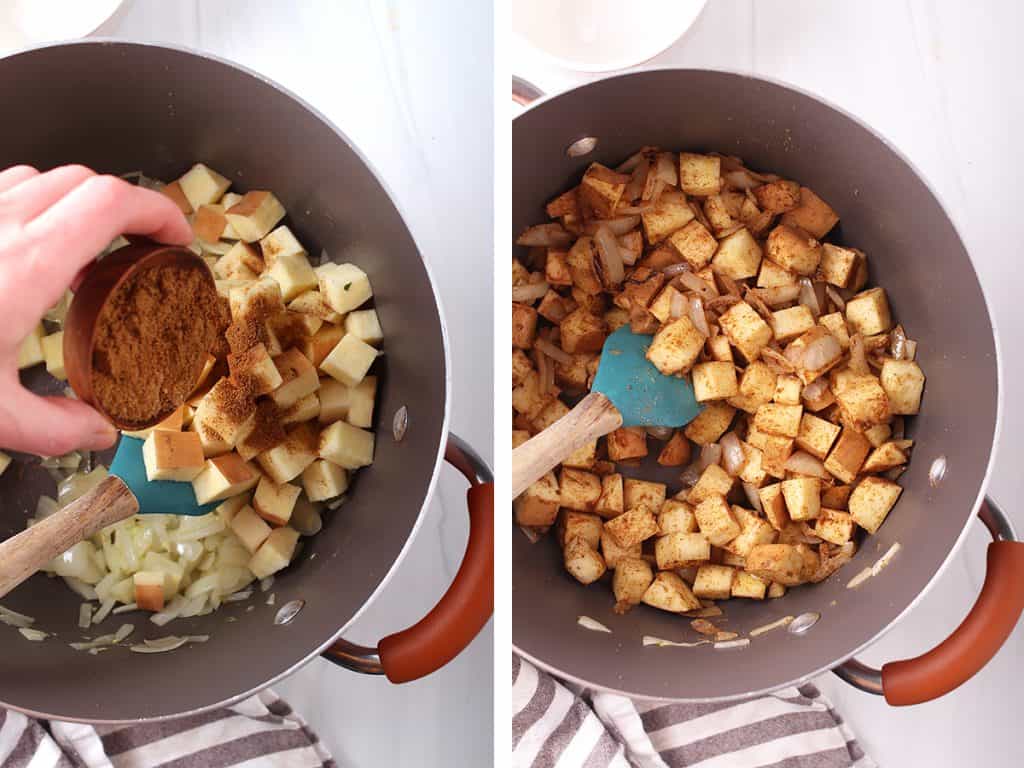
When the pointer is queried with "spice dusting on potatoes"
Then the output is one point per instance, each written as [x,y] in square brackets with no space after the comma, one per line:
[804,374]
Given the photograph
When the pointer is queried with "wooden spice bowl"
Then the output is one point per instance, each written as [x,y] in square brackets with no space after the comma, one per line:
[99,284]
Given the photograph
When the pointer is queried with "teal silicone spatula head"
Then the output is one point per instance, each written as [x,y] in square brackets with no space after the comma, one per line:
[642,394]
[158,496]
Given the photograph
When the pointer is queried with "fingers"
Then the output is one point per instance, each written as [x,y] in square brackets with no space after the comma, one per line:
[51,426]
[37,193]
[15,175]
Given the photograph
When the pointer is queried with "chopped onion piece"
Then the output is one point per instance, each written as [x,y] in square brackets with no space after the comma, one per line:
[122,632]
[690,475]
[803,463]
[272,599]
[631,162]
[783,622]
[85,615]
[609,254]
[838,300]
[266,584]
[675,269]
[678,305]
[170,612]
[662,643]
[816,355]
[126,608]
[753,497]
[709,454]
[743,642]
[592,624]
[162,645]
[690,281]
[105,608]
[553,351]
[733,457]
[529,292]
[809,298]
[15,619]
[885,559]
[531,533]
[698,317]
[545,235]
[898,343]
[858,355]
[660,433]
[815,389]
[237,597]
[619,226]
[859,579]
[45,506]
[36,635]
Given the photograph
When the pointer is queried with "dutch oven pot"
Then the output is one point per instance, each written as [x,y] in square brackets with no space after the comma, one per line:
[887,210]
[122,107]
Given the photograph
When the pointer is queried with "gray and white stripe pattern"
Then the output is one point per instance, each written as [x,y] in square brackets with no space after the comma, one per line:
[260,732]
[794,728]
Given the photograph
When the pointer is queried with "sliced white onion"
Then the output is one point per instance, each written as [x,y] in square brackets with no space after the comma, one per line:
[637,180]
[779,295]
[122,632]
[170,612]
[663,643]
[753,497]
[660,433]
[694,283]
[803,463]
[84,615]
[105,608]
[815,389]
[733,457]
[161,645]
[545,235]
[619,226]
[690,475]
[722,645]
[836,299]
[36,635]
[266,584]
[529,292]
[126,608]
[709,454]
[678,306]
[809,298]
[631,162]
[15,619]
[898,343]
[675,269]
[910,350]
[698,317]
[783,622]
[592,624]
[553,351]
[237,597]
[818,354]
[858,355]
[610,255]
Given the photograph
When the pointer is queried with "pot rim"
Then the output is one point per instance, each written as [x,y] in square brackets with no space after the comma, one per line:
[445,424]
[999,394]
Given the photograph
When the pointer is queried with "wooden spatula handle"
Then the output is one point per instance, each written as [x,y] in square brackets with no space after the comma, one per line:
[594,416]
[27,552]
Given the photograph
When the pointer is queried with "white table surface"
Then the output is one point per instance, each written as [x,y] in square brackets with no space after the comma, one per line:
[940,80]
[416,96]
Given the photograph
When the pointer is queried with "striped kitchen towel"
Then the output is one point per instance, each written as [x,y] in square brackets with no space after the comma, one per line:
[260,732]
[554,727]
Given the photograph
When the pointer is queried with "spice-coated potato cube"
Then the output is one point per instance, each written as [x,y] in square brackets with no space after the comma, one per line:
[776,419]
[573,376]
[298,378]
[583,332]
[548,415]
[275,553]
[776,450]
[632,578]
[221,415]
[255,215]
[538,504]
[730,559]
[610,503]
[782,563]
[676,517]
[280,242]
[661,307]
[776,590]
[738,256]
[637,492]
[613,553]
[324,480]
[700,174]
[753,471]
[627,443]
[524,326]
[676,346]
[848,455]
[345,286]
[717,212]
[714,481]
[202,185]
[816,435]
[794,250]
[600,190]
[615,318]
[711,423]
[803,497]
[676,452]
[349,361]
[868,312]
[345,445]
[694,244]
[714,381]
[720,349]
[582,260]
[176,456]
[748,585]
[778,196]
[871,501]
[258,300]
[53,354]
[274,502]
[878,434]
[670,593]
[527,398]
[716,520]
[789,323]
[177,196]
[30,352]
[583,457]
[836,325]
[903,382]
[772,275]
[887,456]
[320,344]
[632,526]
[556,267]
[640,288]
[294,274]
[756,387]
[668,215]
[580,489]
[787,390]
[774,506]
[714,582]
[839,266]
[834,526]
[836,496]
[241,262]
[753,532]
[813,215]
[814,353]
[255,371]
[680,550]
[746,329]
[222,477]
[863,401]
[313,303]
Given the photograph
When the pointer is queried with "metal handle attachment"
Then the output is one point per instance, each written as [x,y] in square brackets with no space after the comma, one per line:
[971,645]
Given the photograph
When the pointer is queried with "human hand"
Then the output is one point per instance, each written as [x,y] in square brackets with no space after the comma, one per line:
[52,225]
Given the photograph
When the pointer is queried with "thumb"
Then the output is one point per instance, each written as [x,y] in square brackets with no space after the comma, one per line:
[52,426]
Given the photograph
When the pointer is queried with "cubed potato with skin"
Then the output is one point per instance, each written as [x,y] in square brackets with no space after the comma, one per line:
[839,266]
[753,532]
[746,329]
[848,455]
[789,323]
[633,576]
[700,174]
[714,582]
[834,526]
[714,381]
[364,325]
[583,332]
[787,390]
[716,520]
[53,355]
[676,452]
[30,352]
[776,419]
[756,387]
[255,215]
[280,242]
[903,382]
[676,517]
[298,377]
[349,361]
[748,585]
[813,215]
[579,525]
[778,196]
[670,593]
[580,489]
[175,456]
[613,554]
[202,185]
[583,562]
[294,274]
[275,553]
[781,563]
[627,443]
[148,589]
[274,502]
[222,477]
[816,435]
[803,497]
[871,501]
[633,526]
[836,325]
[637,492]
[669,214]
[344,286]
[868,312]
[600,190]
[610,503]
[538,504]
[771,275]
[863,402]
[794,250]
[714,481]
[738,256]
[345,445]
[694,244]
[255,371]
[774,506]
[241,262]
[711,423]
[676,346]
[251,529]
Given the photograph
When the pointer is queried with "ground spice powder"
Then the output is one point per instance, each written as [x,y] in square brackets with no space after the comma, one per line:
[151,341]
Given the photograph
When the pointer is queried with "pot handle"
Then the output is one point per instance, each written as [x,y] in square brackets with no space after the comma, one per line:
[524,92]
[961,655]
[462,611]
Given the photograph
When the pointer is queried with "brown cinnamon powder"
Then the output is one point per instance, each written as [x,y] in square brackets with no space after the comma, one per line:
[151,341]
